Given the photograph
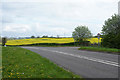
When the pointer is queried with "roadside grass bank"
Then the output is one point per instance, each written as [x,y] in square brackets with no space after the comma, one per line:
[101,49]
[54,46]
[48,44]
[21,63]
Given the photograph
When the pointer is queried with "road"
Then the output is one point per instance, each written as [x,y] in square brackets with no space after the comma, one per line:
[87,64]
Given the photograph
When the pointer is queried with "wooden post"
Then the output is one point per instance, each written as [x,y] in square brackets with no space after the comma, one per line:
[4,40]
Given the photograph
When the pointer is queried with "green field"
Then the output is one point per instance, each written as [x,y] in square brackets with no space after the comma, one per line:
[21,63]
[101,49]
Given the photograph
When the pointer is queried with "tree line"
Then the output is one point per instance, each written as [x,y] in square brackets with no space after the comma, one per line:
[45,36]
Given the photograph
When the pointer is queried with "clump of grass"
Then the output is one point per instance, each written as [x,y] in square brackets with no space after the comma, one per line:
[21,63]
[101,49]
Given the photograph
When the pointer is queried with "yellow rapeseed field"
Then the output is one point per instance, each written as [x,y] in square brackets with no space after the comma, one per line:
[46,40]
[94,40]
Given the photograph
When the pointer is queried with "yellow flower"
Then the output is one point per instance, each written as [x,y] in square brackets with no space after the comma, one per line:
[47,40]
[11,73]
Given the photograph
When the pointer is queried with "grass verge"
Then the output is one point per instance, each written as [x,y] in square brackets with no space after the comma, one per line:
[101,49]
[21,63]
[56,45]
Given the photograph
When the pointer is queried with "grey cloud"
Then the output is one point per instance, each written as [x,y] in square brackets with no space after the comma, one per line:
[6,20]
[68,14]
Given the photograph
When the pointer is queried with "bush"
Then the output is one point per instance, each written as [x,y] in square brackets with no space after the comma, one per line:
[83,42]
[117,41]
[111,40]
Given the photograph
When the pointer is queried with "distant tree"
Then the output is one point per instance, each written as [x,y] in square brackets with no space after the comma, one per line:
[57,36]
[38,36]
[44,36]
[51,37]
[111,31]
[81,32]
[32,36]
[4,40]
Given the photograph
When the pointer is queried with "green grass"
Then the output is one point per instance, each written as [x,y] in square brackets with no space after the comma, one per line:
[21,63]
[56,45]
[101,49]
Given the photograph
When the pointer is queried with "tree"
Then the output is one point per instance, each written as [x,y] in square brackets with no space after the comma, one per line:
[44,36]
[111,31]
[81,32]
[32,36]
[57,36]
[51,37]
[38,36]
[4,40]
[112,25]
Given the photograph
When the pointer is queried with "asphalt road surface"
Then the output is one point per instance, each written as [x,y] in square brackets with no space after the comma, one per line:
[87,64]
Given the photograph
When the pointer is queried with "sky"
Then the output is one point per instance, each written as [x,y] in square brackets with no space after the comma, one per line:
[24,18]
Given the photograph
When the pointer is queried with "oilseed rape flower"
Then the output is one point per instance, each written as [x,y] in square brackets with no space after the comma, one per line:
[47,40]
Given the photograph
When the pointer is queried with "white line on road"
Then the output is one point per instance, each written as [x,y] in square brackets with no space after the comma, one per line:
[84,57]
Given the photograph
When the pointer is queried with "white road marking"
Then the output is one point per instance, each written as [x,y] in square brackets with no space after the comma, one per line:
[83,57]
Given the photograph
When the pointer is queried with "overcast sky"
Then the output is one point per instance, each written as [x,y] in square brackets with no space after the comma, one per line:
[54,17]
